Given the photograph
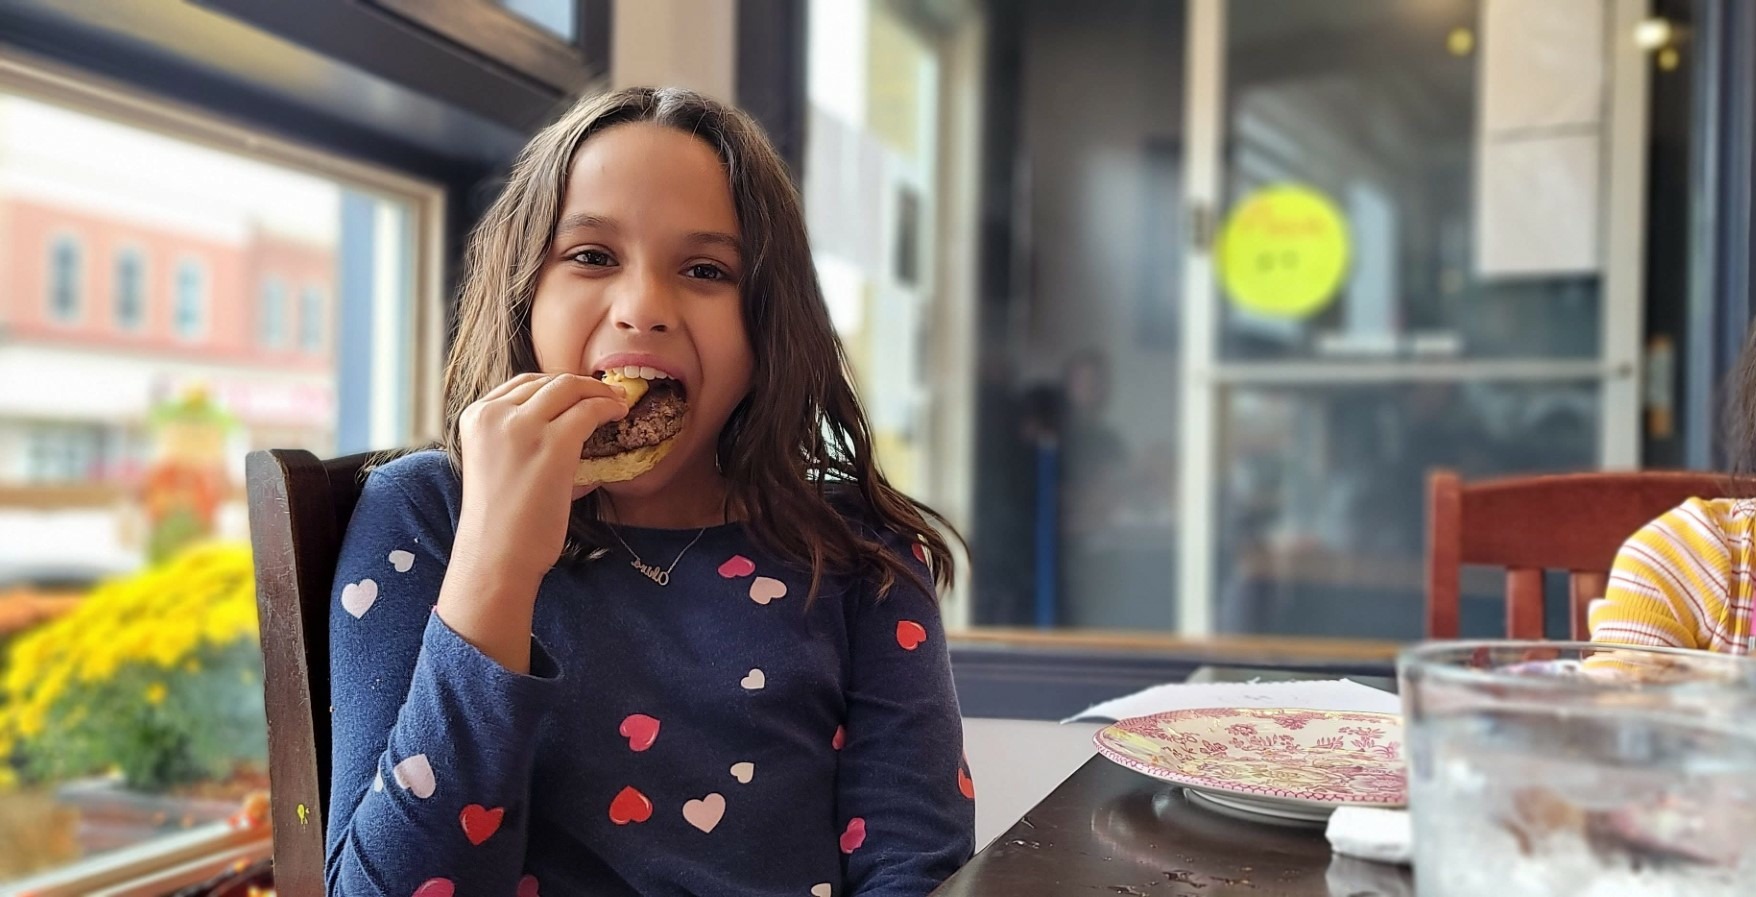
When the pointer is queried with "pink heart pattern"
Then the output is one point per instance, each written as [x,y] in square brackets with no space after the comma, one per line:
[436,887]
[765,589]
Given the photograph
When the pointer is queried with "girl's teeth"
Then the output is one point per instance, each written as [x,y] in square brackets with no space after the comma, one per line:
[637,372]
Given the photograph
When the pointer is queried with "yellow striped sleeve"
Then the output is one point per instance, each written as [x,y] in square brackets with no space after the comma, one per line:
[1671,582]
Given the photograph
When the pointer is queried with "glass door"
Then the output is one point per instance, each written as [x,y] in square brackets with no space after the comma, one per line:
[1415,244]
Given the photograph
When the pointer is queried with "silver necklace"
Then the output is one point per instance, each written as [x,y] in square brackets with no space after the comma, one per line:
[662,577]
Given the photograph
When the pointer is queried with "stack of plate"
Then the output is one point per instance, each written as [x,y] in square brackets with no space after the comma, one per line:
[1282,764]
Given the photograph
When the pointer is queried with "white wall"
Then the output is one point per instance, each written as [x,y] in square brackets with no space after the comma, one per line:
[676,43]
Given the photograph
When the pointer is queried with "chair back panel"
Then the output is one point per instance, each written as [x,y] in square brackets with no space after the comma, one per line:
[1572,523]
[299,511]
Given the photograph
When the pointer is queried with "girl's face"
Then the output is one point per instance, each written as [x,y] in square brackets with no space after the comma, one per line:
[643,270]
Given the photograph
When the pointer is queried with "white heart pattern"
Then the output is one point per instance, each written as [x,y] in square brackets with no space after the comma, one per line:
[415,775]
[764,589]
[378,782]
[401,560]
[705,813]
[755,681]
[822,890]
[358,597]
[743,772]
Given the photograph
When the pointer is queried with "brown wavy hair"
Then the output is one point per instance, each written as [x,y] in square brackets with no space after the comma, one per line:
[797,452]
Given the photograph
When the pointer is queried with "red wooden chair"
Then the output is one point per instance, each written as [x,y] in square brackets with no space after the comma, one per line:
[1573,523]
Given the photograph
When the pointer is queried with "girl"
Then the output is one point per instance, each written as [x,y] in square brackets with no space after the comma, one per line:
[724,676]
[1684,580]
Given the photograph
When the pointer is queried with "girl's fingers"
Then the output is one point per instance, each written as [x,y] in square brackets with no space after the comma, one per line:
[576,423]
[564,392]
[510,385]
[515,397]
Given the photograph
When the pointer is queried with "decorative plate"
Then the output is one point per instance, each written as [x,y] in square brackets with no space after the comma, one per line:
[1316,759]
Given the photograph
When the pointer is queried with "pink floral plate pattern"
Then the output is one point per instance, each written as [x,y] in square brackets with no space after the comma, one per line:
[1320,758]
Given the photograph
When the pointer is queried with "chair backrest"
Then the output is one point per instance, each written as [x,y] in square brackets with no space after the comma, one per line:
[299,510]
[1574,523]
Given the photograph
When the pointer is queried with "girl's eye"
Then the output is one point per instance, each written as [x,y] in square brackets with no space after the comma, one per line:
[708,272]
[592,258]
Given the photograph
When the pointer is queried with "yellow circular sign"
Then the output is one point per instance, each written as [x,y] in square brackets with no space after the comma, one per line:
[1284,252]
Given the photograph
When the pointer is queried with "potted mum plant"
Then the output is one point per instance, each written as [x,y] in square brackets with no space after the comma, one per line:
[145,700]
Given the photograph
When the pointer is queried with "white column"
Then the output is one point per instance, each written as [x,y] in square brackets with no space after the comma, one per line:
[676,43]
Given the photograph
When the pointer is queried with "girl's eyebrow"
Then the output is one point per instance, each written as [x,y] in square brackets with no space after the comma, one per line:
[588,221]
[715,238]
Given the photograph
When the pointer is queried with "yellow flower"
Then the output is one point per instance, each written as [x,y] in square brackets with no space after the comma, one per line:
[164,617]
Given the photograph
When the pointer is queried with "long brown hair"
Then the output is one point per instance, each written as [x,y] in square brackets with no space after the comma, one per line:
[799,444]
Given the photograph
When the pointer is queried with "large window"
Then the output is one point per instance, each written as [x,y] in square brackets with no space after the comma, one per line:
[131,716]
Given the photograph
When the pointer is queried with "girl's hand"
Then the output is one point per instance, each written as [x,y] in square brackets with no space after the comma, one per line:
[520,447]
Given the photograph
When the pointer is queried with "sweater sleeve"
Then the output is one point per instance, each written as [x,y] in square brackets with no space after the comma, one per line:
[1670,582]
[430,792]
[905,801]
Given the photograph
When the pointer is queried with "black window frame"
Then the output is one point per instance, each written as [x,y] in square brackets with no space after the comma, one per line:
[508,39]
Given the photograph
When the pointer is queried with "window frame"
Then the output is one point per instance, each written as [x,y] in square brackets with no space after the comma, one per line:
[142,278]
[65,238]
[313,306]
[491,30]
[273,314]
[203,291]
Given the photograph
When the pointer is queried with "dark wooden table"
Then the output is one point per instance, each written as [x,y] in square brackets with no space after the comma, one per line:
[1109,830]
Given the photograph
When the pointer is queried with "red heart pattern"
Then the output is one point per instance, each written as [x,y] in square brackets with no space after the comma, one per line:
[966,785]
[737,566]
[854,836]
[640,730]
[910,634]
[840,738]
[480,823]
[630,806]
[527,886]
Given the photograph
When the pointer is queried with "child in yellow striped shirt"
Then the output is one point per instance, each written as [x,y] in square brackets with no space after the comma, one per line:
[1684,581]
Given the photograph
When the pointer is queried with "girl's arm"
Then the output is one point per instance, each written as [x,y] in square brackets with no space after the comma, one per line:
[1670,583]
[905,802]
[432,753]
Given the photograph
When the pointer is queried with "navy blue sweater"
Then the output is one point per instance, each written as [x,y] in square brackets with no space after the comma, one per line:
[713,736]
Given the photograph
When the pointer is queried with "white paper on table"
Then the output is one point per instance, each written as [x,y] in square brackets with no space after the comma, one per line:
[1328,694]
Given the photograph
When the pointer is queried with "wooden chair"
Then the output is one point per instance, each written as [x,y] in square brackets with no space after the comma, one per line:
[299,510]
[1572,522]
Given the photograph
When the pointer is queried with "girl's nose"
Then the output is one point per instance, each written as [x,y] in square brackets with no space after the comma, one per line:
[646,305]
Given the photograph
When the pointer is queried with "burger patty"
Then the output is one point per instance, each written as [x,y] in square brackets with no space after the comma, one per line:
[655,418]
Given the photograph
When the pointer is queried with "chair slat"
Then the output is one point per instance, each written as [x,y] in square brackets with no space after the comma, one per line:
[1524,603]
[1583,588]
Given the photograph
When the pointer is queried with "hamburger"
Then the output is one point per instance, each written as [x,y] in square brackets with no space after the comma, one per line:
[624,449]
